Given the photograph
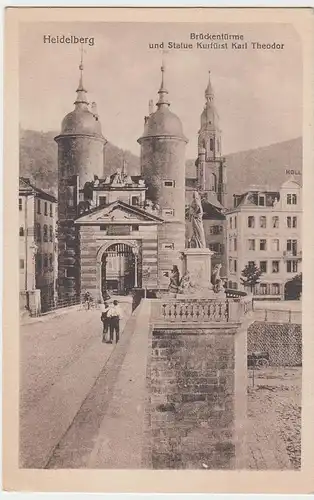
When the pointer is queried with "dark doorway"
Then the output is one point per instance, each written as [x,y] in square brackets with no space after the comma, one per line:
[118,268]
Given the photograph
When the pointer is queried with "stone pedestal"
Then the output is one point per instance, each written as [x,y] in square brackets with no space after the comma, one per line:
[34,302]
[197,261]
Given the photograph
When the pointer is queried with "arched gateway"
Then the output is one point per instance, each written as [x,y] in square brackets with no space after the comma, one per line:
[120,271]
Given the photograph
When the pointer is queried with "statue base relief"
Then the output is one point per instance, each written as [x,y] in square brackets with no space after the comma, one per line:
[197,262]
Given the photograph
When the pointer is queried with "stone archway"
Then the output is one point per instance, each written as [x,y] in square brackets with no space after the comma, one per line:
[117,267]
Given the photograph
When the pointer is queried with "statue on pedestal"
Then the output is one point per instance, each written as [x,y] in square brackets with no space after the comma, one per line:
[196,217]
[216,279]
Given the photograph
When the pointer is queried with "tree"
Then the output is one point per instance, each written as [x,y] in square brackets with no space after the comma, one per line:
[293,288]
[250,275]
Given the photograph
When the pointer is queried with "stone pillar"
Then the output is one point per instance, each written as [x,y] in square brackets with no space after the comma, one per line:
[34,302]
[197,261]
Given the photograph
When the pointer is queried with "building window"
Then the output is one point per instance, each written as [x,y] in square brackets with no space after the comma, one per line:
[168,212]
[50,233]
[235,222]
[46,208]
[275,221]
[262,221]
[291,199]
[275,245]
[38,232]
[216,247]
[291,222]
[45,235]
[251,263]
[292,246]
[45,261]
[262,244]
[21,231]
[20,204]
[261,200]
[211,144]
[135,227]
[263,266]
[251,244]
[292,266]
[230,265]
[235,266]
[102,200]
[230,222]
[169,183]
[215,229]
[38,207]
[294,222]
[167,246]
[21,263]
[50,260]
[235,244]
[103,227]
[275,289]
[275,266]
[251,221]
[51,213]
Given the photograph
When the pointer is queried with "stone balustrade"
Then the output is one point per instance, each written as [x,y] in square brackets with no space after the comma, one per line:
[200,311]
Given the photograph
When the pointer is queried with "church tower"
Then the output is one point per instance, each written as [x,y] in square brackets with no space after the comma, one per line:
[80,158]
[210,164]
[163,168]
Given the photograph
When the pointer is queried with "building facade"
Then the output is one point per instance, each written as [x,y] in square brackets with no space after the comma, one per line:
[37,245]
[119,232]
[264,227]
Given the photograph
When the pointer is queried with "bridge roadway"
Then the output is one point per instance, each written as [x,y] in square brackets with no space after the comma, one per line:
[61,359]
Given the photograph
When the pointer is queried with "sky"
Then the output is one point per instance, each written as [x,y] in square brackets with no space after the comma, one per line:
[258,93]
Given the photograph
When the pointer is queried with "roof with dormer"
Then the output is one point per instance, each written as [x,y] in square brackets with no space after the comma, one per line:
[119,212]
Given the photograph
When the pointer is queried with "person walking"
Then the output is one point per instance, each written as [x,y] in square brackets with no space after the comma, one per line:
[114,315]
[104,308]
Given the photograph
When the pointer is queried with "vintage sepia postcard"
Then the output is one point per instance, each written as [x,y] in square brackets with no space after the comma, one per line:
[158,318]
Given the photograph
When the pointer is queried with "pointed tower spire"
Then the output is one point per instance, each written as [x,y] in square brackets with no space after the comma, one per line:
[81,98]
[163,101]
[209,93]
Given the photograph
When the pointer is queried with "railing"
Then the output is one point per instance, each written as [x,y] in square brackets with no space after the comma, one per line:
[58,304]
[291,254]
[278,316]
[199,311]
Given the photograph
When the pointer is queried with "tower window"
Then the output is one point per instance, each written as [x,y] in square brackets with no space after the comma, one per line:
[38,207]
[169,183]
[46,208]
[168,212]
[20,204]
[21,263]
[50,233]
[102,200]
[167,246]
[135,227]
[38,232]
[135,200]
[211,144]
[21,231]
[51,210]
